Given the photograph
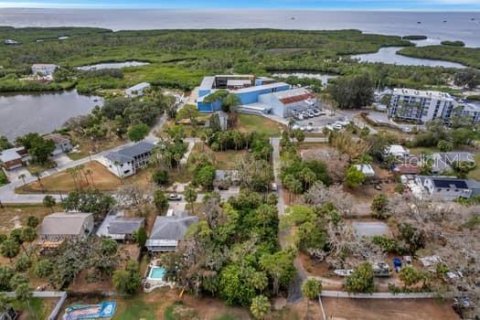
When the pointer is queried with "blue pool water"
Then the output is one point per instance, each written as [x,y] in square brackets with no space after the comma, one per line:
[157,273]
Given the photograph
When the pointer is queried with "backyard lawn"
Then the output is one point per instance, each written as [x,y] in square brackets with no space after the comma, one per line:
[254,123]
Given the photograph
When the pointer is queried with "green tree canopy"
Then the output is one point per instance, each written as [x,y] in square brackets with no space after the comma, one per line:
[138,132]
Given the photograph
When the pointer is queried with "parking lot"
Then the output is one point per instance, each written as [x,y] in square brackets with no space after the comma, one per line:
[324,118]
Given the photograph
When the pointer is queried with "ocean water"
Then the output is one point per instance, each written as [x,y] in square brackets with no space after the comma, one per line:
[438,26]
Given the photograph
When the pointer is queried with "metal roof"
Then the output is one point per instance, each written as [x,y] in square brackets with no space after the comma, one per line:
[207,83]
[62,223]
[10,155]
[262,87]
[172,227]
[128,153]
[123,225]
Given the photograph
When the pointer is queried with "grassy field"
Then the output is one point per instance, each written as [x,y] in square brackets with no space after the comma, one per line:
[254,123]
[63,181]
[100,178]
[475,174]
[223,160]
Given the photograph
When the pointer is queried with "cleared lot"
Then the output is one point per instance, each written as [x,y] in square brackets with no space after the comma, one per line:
[388,309]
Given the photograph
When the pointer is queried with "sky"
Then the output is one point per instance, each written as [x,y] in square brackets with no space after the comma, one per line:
[421,5]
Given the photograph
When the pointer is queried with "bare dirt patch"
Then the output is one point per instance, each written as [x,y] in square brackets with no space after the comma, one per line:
[387,309]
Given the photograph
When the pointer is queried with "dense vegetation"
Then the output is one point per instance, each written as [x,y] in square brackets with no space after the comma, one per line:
[234,252]
[466,56]
[180,58]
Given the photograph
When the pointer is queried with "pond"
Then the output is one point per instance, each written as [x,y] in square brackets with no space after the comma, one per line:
[42,113]
[323,77]
[112,65]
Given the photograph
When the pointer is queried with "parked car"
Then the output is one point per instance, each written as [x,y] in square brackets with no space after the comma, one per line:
[274,187]
[174,197]
[337,126]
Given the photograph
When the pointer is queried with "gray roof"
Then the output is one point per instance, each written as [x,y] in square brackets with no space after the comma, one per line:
[128,153]
[123,225]
[207,83]
[61,223]
[171,228]
[262,87]
[10,154]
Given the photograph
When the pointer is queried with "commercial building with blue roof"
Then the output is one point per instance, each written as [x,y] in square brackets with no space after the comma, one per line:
[247,88]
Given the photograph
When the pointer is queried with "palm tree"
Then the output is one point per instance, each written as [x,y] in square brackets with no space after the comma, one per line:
[89,173]
[22,177]
[49,202]
[29,234]
[38,175]
[260,307]
[72,173]
[190,196]
[10,249]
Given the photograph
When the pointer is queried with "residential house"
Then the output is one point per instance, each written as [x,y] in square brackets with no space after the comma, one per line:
[444,188]
[120,228]
[62,143]
[14,158]
[366,169]
[396,151]
[60,226]
[443,161]
[126,161]
[137,90]
[43,69]
[168,231]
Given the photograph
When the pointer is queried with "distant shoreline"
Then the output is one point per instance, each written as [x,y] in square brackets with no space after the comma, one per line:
[451,26]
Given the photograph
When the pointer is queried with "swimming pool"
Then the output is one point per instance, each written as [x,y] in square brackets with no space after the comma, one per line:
[157,273]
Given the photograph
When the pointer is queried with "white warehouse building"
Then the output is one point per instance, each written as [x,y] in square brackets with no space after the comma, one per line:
[420,106]
[285,103]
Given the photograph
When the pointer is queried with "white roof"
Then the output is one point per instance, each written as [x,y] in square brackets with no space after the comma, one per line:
[10,155]
[262,87]
[44,65]
[238,82]
[139,86]
[422,93]
[291,93]
[396,149]
[366,169]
